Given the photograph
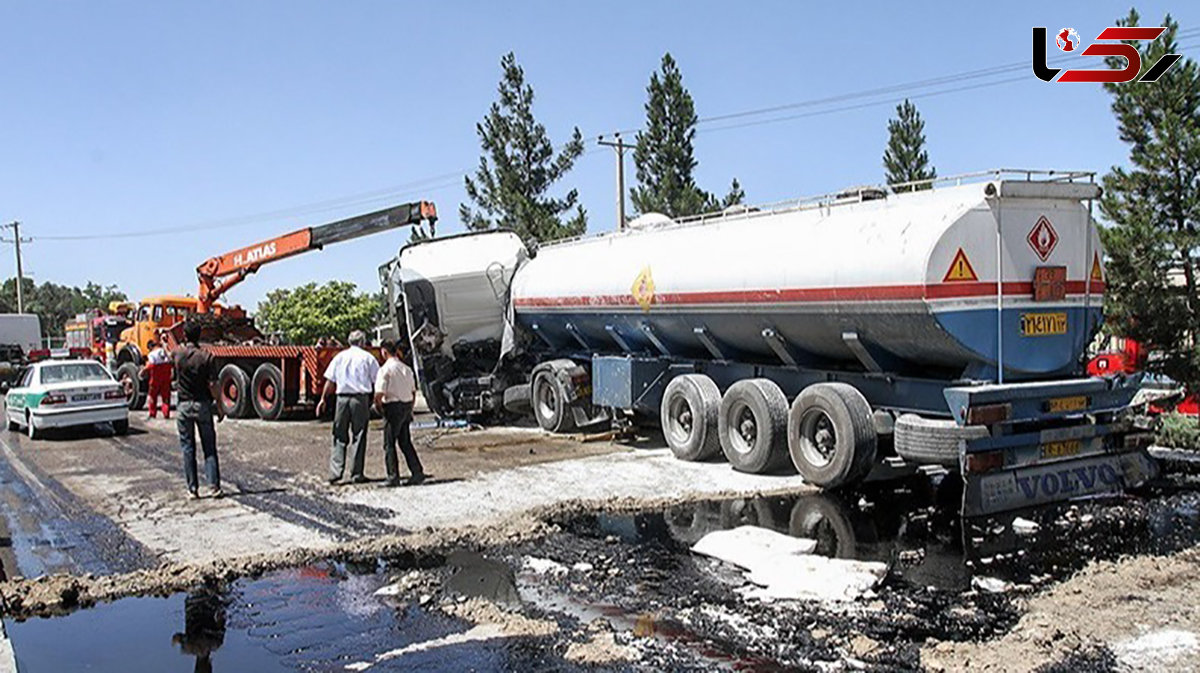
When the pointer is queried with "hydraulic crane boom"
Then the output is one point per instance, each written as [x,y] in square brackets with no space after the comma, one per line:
[218,274]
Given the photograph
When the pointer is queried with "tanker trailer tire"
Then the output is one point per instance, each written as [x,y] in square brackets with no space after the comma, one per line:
[517,400]
[130,377]
[824,518]
[752,426]
[929,441]
[233,390]
[550,403]
[691,405]
[831,435]
[267,386]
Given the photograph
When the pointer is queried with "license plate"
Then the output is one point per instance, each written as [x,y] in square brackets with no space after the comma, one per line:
[1043,324]
[1060,405]
[1063,449]
[86,397]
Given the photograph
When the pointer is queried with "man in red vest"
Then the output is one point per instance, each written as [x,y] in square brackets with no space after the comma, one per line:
[158,365]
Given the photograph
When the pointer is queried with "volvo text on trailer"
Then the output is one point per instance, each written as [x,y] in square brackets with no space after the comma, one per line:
[945,325]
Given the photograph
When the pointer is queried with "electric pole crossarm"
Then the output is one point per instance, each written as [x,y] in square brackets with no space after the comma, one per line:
[620,146]
[17,241]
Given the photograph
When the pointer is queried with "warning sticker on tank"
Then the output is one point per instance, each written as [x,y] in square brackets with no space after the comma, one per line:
[960,269]
[643,289]
[1043,324]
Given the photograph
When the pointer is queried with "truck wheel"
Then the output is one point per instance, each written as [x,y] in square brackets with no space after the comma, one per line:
[130,377]
[690,407]
[267,386]
[517,400]
[550,403]
[234,388]
[831,435]
[13,426]
[933,442]
[752,426]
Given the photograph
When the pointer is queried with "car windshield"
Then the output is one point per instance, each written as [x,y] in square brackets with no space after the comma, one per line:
[75,372]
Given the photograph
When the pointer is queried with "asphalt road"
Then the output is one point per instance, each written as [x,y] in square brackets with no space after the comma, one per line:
[84,501]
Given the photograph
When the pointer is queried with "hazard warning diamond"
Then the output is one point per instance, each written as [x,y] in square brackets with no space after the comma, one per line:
[1042,238]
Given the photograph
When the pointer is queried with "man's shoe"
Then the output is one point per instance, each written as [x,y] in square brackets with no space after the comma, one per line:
[334,480]
[415,480]
[192,494]
[216,493]
[359,479]
[392,483]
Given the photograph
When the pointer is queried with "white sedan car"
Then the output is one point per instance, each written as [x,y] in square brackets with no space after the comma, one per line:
[64,393]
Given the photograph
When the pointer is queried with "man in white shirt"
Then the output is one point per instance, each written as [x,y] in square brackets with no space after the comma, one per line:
[351,375]
[395,392]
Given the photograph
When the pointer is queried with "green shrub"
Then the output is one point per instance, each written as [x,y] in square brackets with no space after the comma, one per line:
[1179,432]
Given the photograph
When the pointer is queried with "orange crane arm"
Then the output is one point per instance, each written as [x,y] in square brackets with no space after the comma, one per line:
[218,274]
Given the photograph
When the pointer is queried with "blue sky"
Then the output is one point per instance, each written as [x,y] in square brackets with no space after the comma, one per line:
[235,118]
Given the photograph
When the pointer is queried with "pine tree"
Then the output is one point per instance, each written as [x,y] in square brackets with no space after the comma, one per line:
[1153,206]
[518,167]
[664,155]
[905,159]
[736,195]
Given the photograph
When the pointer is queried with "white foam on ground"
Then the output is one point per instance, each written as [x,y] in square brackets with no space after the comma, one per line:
[541,566]
[745,546]
[475,634]
[1157,650]
[783,567]
[8,661]
[641,474]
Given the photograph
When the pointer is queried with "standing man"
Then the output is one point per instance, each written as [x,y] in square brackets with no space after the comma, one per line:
[351,374]
[197,377]
[395,391]
[158,365]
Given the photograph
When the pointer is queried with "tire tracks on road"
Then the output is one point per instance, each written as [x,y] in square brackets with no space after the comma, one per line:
[273,492]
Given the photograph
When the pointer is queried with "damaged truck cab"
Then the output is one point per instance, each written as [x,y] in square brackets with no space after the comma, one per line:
[846,335]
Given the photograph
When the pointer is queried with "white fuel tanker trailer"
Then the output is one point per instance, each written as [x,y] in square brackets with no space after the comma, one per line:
[945,325]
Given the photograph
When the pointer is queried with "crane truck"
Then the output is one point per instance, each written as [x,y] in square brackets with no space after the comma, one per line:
[842,336]
[256,377]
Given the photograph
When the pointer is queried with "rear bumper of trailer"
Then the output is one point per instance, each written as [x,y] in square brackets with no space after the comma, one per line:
[1049,441]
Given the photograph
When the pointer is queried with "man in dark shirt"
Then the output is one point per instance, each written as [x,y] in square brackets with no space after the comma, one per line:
[196,375]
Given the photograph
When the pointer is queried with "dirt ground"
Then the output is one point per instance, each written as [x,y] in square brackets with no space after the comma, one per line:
[84,503]
[89,517]
[1145,611]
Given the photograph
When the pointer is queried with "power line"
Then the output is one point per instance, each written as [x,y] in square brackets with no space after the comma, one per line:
[980,73]
[910,90]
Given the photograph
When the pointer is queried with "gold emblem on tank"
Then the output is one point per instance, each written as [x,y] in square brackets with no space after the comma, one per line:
[643,289]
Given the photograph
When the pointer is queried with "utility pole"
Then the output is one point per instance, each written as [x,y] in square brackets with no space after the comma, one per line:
[620,148]
[17,241]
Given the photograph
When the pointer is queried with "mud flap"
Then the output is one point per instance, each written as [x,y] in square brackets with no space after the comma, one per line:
[1017,488]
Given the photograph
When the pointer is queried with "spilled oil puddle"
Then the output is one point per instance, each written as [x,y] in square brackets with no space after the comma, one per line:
[635,574]
[324,617]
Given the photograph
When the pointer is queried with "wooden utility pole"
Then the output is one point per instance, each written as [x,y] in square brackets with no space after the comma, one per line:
[17,241]
[620,147]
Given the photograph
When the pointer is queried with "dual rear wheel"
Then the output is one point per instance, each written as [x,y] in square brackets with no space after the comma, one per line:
[828,433]
[243,395]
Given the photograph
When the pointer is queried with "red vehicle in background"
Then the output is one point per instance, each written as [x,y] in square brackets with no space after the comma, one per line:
[1126,356]
[95,332]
